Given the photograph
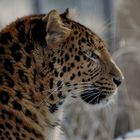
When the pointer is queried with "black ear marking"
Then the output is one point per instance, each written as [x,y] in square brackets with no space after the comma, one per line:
[68,14]
[65,14]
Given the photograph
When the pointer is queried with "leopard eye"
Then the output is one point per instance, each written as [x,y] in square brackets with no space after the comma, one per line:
[92,54]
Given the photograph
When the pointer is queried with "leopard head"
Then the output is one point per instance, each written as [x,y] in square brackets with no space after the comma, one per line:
[80,65]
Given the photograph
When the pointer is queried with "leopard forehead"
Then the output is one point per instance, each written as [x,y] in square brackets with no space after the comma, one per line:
[83,57]
[80,41]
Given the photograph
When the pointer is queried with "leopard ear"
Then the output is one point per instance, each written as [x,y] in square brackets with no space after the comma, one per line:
[57,32]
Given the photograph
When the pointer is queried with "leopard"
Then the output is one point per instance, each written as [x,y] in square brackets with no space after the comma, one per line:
[46,61]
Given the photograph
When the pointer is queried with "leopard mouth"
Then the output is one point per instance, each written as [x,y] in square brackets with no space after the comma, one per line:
[93,96]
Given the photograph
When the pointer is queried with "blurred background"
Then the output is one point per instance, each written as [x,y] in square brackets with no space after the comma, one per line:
[118,23]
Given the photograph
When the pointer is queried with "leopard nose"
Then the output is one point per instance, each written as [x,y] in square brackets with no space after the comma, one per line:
[117,81]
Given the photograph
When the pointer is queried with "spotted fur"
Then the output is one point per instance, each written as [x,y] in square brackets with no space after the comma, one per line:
[44,61]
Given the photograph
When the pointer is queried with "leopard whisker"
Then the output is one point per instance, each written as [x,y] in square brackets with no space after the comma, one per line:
[75,90]
[90,95]
[71,87]
[96,97]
